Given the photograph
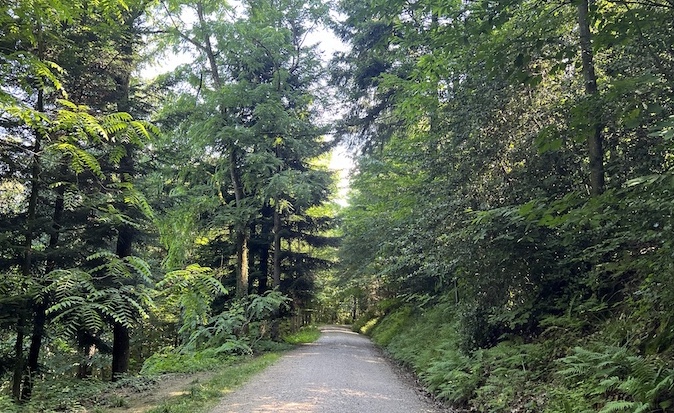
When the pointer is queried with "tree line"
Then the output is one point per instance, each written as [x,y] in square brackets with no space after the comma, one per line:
[184,211]
[515,192]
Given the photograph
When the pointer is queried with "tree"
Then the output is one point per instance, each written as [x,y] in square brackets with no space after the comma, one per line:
[524,131]
[67,140]
[261,124]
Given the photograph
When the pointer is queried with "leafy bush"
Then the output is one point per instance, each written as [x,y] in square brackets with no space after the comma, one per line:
[172,361]
[245,322]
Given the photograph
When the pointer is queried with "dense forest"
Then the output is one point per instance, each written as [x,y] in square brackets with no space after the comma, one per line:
[149,221]
[508,232]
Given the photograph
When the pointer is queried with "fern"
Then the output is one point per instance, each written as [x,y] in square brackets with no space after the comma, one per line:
[634,382]
[191,290]
[115,290]
[617,406]
[80,159]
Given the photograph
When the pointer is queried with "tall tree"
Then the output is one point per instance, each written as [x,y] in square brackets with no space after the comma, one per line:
[66,139]
[256,84]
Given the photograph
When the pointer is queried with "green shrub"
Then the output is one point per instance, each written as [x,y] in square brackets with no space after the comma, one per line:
[173,362]
[390,326]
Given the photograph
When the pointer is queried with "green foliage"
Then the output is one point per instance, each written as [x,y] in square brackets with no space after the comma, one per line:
[245,322]
[173,362]
[115,289]
[471,196]
[304,335]
[191,292]
[202,397]
[390,326]
[629,382]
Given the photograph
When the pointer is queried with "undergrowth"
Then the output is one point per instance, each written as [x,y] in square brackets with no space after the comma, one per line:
[94,395]
[555,373]
[201,397]
[75,396]
[174,362]
[304,335]
[81,396]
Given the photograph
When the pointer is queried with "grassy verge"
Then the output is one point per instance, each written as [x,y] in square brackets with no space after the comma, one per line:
[169,383]
[303,336]
[201,397]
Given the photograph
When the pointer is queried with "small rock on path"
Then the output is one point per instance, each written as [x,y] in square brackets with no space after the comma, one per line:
[342,372]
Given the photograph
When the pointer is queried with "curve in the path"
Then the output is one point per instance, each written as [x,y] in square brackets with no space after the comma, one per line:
[340,373]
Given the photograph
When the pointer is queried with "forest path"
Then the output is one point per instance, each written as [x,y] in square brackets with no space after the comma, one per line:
[341,372]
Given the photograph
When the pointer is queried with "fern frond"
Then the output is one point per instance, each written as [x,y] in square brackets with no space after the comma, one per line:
[617,406]
[80,159]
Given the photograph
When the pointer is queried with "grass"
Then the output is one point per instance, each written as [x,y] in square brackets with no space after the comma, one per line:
[303,336]
[201,397]
[211,378]
[95,396]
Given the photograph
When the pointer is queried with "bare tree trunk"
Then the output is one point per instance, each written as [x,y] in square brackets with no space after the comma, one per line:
[125,233]
[267,228]
[19,367]
[276,277]
[242,236]
[594,140]
[121,350]
[242,264]
[40,308]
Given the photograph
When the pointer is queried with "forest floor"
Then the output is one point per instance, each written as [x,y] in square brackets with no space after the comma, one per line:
[168,386]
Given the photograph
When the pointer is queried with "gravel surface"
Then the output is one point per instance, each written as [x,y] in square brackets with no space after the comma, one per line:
[340,373]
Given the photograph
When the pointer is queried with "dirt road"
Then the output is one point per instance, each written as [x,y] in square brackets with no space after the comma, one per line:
[340,373]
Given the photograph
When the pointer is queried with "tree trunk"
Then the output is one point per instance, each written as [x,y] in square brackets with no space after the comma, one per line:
[121,350]
[19,363]
[19,368]
[242,236]
[594,140]
[276,276]
[242,264]
[265,236]
[125,233]
[40,308]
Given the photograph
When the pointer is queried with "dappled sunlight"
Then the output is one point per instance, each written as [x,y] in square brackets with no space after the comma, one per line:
[280,407]
[337,329]
[320,399]
[341,372]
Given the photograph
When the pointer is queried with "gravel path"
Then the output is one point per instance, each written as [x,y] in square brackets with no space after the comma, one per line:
[340,373]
